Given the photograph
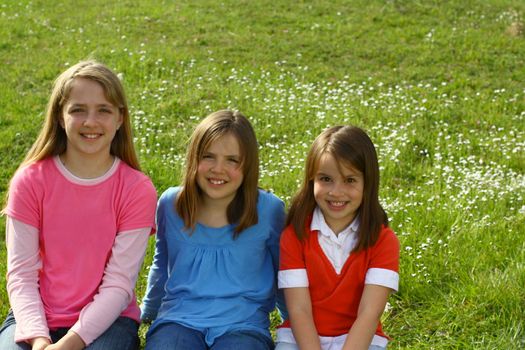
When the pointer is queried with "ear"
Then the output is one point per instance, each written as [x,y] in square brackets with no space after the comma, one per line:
[120,119]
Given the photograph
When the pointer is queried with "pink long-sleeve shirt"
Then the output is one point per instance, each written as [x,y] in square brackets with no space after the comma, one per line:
[75,247]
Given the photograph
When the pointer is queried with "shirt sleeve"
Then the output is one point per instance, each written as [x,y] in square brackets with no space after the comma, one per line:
[384,265]
[25,194]
[158,272]
[139,208]
[116,290]
[277,223]
[23,265]
[292,269]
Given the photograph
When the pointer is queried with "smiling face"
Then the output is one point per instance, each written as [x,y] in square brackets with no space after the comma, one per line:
[89,120]
[219,172]
[338,191]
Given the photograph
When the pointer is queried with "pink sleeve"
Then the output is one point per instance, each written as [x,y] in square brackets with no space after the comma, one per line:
[116,291]
[23,264]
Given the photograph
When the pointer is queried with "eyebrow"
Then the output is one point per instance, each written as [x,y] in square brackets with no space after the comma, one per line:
[99,105]
[227,155]
[343,175]
[322,174]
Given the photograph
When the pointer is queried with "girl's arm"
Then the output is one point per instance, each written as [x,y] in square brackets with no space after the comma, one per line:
[277,224]
[39,343]
[23,264]
[371,307]
[157,277]
[116,290]
[299,308]
[158,272]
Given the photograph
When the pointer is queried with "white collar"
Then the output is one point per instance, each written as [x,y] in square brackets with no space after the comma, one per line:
[319,224]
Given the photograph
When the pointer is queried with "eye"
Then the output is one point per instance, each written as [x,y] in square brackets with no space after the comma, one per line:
[325,178]
[106,110]
[76,110]
[350,180]
[234,160]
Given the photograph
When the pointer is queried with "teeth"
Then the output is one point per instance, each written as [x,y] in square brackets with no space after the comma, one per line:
[217,182]
[337,204]
[91,136]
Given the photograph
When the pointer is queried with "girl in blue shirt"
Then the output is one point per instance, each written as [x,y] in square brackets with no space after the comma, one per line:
[212,283]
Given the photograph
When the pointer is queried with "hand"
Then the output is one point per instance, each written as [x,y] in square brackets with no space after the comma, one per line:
[71,341]
[39,343]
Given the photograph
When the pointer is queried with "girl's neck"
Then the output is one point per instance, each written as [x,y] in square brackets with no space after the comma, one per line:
[87,168]
[213,213]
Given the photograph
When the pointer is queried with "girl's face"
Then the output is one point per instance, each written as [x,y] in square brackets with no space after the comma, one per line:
[219,173]
[338,191]
[89,120]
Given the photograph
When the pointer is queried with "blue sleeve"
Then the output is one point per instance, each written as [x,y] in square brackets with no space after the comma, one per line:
[277,218]
[158,273]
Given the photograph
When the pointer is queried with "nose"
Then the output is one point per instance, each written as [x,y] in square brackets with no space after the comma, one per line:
[336,189]
[91,118]
[218,166]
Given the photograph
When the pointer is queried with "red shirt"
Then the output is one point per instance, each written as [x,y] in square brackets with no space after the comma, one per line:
[336,297]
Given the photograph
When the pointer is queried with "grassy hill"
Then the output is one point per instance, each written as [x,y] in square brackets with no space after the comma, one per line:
[439,86]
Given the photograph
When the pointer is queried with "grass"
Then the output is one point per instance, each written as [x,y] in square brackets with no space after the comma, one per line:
[438,85]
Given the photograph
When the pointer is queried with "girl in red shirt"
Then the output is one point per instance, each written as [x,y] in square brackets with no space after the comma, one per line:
[339,259]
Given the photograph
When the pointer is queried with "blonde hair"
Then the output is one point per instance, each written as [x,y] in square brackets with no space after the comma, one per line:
[242,211]
[52,139]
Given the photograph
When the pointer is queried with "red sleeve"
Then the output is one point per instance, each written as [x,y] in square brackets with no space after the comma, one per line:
[291,256]
[385,253]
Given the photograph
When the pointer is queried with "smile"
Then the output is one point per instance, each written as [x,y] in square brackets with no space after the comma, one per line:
[338,204]
[216,181]
[91,136]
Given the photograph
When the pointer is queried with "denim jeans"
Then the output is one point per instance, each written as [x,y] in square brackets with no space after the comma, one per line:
[173,336]
[288,346]
[121,335]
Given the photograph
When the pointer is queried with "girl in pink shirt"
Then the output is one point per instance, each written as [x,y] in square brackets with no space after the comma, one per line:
[79,215]
[339,259]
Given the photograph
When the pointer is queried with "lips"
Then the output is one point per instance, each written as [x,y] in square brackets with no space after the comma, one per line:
[91,136]
[217,181]
[337,205]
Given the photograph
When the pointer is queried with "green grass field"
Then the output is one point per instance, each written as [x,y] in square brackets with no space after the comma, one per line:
[439,86]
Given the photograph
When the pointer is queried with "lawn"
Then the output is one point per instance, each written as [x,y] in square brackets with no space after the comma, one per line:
[438,85]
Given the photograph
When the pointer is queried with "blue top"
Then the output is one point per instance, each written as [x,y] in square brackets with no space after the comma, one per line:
[206,280]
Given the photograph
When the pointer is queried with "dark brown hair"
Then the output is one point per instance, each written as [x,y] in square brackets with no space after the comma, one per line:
[352,147]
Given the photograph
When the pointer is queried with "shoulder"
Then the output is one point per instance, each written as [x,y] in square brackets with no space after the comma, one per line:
[132,175]
[388,235]
[289,236]
[266,199]
[167,198]
[135,179]
[32,174]
[169,195]
[387,241]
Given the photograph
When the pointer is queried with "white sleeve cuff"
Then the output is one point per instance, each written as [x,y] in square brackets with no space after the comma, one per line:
[294,278]
[383,277]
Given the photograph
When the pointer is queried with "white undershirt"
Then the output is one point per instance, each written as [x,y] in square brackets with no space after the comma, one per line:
[337,248]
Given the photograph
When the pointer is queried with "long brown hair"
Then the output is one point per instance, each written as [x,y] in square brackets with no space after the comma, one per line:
[243,208]
[52,139]
[352,147]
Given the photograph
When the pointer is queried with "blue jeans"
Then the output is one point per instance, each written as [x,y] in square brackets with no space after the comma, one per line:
[173,336]
[288,346]
[121,335]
